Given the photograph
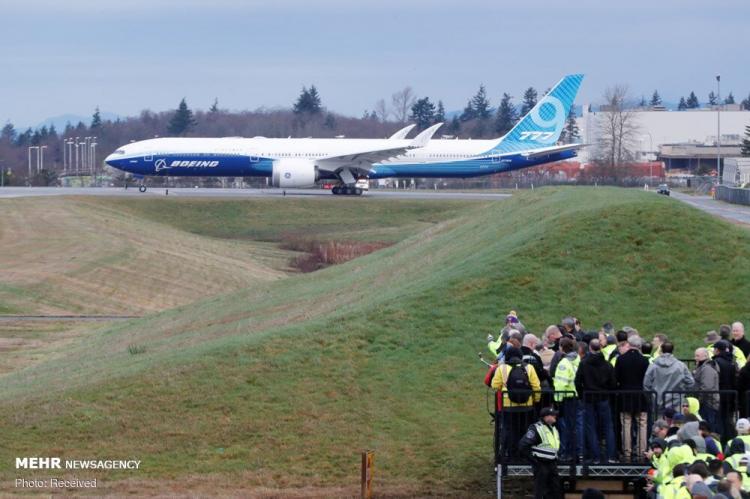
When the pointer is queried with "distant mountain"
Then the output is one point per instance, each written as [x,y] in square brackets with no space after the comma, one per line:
[63,119]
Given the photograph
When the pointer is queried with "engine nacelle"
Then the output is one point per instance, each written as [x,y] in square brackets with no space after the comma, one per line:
[294,172]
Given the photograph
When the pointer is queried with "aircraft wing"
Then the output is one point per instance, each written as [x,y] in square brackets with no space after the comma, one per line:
[363,160]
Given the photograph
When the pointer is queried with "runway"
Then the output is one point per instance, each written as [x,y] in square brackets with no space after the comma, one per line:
[17,192]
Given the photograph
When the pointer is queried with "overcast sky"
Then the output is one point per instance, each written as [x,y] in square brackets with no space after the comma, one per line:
[60,57]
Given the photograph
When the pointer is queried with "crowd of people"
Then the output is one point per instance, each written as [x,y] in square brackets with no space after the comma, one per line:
[614,397]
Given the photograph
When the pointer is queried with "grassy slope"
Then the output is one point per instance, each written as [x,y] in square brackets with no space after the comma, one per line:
[273,386]
[274,220]
[68,255]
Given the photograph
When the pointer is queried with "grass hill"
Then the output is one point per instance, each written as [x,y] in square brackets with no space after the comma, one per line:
[279,386]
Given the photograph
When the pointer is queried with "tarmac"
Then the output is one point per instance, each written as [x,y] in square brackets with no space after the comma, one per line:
[16,192]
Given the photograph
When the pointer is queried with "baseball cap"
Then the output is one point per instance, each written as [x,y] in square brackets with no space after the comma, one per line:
[547,411]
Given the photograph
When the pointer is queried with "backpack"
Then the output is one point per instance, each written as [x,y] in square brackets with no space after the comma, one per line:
[519,388]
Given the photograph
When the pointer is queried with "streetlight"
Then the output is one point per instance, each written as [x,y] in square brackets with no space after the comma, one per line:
[718,131]
[40,159]
[30,148]
[2,173]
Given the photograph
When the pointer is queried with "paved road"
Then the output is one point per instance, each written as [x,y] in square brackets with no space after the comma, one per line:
[16,192]
[732,212]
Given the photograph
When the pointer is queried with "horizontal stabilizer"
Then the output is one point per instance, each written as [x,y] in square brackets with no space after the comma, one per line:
[552,150]
[401,134]
[423,138]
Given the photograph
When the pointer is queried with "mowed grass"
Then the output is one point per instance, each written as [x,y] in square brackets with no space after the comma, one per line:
[278,220]
[134,255]
[281,386]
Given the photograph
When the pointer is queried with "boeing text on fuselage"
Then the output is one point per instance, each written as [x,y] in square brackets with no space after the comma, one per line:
[300,163]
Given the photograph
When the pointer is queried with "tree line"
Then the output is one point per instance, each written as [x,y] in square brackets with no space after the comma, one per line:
[307,117]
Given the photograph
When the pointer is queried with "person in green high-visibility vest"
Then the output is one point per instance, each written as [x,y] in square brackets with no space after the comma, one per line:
[540,445]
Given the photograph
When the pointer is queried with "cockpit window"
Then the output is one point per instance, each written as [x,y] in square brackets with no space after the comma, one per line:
[119,151]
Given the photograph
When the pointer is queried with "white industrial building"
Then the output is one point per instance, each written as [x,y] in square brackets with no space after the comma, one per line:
[682,139]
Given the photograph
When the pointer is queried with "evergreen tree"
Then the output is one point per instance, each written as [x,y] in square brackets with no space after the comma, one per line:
[455,127]
[182,121]
[214,107]
[481,104]
[423,113]
[330,121]
[52,132]
[682,105]
[24,139]
[643,103]
[570,133]
[692,101]
[745,150]
[712,99]
[96,119]
[729,99]
[440,113]
[8,133]
[469,113]
[308,102]
[506,116]
[529,100]
[655,99]
[745,104]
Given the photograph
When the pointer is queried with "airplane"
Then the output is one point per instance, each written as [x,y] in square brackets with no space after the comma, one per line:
[302,163]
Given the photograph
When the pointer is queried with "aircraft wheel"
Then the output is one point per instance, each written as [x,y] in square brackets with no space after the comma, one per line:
[336,191]
[142,188]
[358,191]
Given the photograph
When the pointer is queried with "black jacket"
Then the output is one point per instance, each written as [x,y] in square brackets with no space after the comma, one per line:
[594,374]
[743,345]
[727,379]
[630,369]
[743,386]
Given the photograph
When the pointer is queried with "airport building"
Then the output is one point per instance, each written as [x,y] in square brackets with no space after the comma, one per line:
[683,140]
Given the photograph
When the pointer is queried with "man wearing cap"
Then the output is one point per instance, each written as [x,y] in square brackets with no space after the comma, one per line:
[712,337]
[540,444]
[741,443]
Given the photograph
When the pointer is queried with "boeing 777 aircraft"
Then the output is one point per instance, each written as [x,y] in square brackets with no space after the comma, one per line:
[300,163]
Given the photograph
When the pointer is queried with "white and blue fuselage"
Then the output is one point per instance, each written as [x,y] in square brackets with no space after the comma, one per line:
[293,163]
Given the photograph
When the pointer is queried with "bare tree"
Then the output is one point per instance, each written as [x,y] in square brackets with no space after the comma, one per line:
[381,109]
[616,126]
[402,102]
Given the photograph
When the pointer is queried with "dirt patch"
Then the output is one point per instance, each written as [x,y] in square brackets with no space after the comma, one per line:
[321,254]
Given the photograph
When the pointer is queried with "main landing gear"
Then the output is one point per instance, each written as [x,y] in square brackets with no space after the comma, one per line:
[344,190]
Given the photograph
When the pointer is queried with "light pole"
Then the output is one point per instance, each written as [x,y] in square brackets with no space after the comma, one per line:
[2,173]
[40,159]
[718,131]
[28,180]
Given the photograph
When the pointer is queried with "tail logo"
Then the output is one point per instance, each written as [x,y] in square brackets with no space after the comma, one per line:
[556,120]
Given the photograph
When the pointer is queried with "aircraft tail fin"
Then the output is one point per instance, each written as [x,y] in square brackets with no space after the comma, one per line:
[541,127]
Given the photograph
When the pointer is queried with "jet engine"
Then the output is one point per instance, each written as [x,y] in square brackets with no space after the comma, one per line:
[294,172]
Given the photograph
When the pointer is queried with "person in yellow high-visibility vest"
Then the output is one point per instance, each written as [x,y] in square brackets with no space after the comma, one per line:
[540,445]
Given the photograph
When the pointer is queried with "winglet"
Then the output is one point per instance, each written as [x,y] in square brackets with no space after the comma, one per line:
[423,138]
[401,134]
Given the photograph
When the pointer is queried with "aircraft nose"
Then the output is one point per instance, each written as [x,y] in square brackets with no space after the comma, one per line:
[116,160]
